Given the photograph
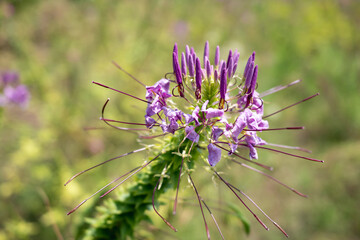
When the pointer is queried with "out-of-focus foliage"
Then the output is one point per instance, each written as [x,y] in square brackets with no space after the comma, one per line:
[58,47]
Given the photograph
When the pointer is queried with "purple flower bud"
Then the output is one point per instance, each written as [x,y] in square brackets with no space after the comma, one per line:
[192,51]
[234,69]
[253,80]
[223,83]
[214,154]
[248,75]
[183,65]
[216,77]
[198,78]
[236,57]
[191,134]
[222,65]
[8,77]
[230,68]
[175,50]
[217,56]
[206,52]
[187,54]
[208,68]
[228,60]
[253,56]
[191,67]
[177,69]
[247,66]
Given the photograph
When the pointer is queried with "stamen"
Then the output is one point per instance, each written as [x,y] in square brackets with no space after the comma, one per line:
[118,66]
[97,165]
[153,204]
[119,128]
[142,167]
[308,98]
[229,186]
[102,85]
[248,160]
[289,147]
[278,88]
[177,188]
[293,155]
[202,212]
[154,136]
[111,120]
[274,129]
[277,225]
[271,177]
[115,180]
[212,216]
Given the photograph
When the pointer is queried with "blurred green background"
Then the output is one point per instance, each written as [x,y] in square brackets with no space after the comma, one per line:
[59,47]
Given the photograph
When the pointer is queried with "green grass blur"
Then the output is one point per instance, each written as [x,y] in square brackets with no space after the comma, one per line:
[60,46]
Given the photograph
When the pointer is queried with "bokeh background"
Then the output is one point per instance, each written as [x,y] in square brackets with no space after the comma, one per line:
[59,47]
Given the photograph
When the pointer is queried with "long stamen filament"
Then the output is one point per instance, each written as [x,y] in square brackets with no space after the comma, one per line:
[153,204]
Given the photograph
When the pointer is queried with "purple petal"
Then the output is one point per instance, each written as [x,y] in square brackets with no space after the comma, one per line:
[212,112]
[191,134]
[149,122]
[214,154]
[216,133]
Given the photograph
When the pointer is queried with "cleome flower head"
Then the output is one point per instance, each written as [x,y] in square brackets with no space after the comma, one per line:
[221,106]
[203,109]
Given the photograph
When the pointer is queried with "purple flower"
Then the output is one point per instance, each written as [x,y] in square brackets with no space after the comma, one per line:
[18,95]
[157,95]
[9,77]
[214,154]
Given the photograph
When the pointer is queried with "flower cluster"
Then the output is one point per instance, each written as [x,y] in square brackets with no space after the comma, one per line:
[13,92]
[211,110]
[200,106]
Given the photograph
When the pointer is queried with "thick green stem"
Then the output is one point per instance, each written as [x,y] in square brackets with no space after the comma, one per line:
[118,218]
